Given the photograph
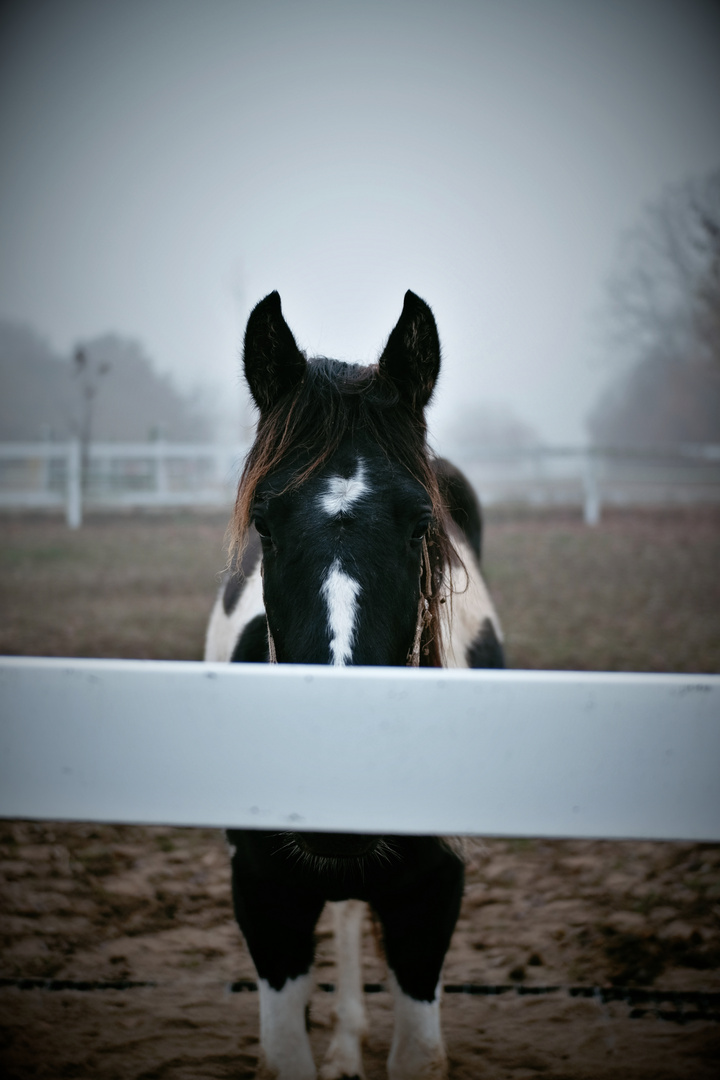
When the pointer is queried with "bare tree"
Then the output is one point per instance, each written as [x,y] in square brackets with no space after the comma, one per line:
[708,293]
[664,308]
[666,290]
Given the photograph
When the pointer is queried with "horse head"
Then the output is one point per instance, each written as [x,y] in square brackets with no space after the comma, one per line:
[340,489]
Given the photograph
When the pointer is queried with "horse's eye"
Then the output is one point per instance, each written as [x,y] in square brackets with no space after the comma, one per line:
[421,528]
[262,527]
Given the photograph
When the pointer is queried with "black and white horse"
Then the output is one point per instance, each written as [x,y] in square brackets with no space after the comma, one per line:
[351,545]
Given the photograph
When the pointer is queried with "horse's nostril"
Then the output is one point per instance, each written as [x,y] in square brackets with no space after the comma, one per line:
[337,845]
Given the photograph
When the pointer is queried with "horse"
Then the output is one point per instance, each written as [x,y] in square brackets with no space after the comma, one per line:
[351,543]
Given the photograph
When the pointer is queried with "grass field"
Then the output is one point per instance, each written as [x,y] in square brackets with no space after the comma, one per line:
[641,592]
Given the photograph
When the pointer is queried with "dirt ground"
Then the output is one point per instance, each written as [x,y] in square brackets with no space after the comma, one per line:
[119,956]
[116,906]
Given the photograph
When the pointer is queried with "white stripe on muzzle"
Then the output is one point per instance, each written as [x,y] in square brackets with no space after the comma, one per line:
[340,593]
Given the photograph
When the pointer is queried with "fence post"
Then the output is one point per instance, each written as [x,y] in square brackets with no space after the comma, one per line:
[591,491]
[73,490]
[161,472]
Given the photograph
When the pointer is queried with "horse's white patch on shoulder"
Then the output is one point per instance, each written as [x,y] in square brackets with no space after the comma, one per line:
[283,1035]
[224,630]
[343,491]
[340,593]
[417,1051]
[467,610]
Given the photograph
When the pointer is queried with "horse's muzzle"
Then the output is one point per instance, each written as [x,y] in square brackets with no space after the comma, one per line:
[337,845]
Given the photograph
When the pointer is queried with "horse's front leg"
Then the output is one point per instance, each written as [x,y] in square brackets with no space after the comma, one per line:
[344,1054]
[278,923]
[418,921]
[283,1033]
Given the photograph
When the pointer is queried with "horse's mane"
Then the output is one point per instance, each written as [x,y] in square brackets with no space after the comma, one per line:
[332,401]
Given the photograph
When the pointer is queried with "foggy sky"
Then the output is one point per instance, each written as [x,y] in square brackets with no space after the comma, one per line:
[164,164]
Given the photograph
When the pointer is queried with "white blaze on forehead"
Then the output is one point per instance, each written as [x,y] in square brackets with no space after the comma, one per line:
[340,593]
[343,491]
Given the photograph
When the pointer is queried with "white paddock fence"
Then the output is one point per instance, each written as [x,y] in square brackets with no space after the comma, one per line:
[388,750]
[159,474]
[596,476]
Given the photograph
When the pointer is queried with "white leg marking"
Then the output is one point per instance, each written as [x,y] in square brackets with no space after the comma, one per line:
[343,491]
[283,1037]
[344,1055]
[417,1051]
[340,593]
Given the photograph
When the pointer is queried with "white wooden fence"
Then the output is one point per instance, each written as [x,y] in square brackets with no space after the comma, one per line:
[491,753]
[119,476]
[593,477]
[159,474]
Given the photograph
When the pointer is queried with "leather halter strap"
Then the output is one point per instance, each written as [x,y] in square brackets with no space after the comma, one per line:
[424,615]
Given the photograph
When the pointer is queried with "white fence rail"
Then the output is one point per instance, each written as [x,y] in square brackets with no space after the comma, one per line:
[119,475]
[160,474]
[509,753]
[593,477]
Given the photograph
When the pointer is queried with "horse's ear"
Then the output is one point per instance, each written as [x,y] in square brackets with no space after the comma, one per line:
[411,357]
[273,363]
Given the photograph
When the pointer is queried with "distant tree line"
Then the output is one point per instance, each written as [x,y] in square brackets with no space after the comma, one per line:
[664,308]
[46,396]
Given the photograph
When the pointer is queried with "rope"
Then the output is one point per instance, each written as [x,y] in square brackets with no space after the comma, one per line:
[272,652]
[271,644]
[424,615]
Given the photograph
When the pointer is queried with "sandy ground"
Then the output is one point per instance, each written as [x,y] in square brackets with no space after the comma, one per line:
[117,905]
